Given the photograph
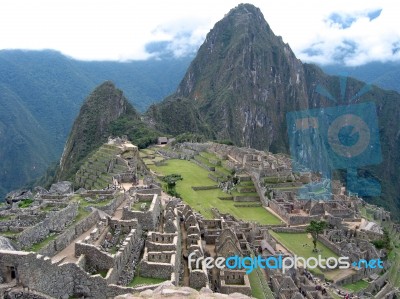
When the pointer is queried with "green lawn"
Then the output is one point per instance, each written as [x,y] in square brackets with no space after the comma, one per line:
[256,287]
[294,242]
[139,280]
[257,280]
[357,286]
[203,201]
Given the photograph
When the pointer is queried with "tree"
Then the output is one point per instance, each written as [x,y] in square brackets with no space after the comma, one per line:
[315,228]
[170,181]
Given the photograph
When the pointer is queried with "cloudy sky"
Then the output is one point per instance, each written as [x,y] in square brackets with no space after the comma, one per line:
[324,31]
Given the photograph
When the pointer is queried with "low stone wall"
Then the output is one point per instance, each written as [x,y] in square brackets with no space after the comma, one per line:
[199,188]
[225,197]
[113,205]
[18,294]
[63,240]
[244,198]
[329,244]
[248,205]
[213,177]
[289,230]
[203,165]
[146,191]
[350,279]
[57,221]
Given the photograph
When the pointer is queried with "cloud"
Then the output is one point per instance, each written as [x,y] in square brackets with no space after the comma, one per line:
[354,37]
[351,32]
[342,20]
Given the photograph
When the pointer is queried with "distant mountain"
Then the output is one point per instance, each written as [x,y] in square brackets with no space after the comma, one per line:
[41,93]
[244,80]
[383,74]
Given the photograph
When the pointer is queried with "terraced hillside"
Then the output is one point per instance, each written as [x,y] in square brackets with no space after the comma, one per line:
[97,172]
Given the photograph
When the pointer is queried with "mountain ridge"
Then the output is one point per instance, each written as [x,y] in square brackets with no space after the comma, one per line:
[50,89]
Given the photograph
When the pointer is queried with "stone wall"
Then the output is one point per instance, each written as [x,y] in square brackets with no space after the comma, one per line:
[147,219]
[60,280]
[113,205]
[198,278]
[198,188]
[162,242]
[63,240]
[94,256]
[56,221]
[244,198]
[101,260]
[336,249]
[293,230]
[149,190]
[159,264]
[299,220]
[233,281]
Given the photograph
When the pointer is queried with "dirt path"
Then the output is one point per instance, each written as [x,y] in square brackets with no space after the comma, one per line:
[69,252]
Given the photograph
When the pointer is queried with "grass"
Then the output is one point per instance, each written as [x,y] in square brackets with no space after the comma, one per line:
[294,242]
[202,201]
[136,206]
[139,280]
[6,217]
[36,247]
[103,273]
[256,287]
[356,286]
[8,233]
[25,203]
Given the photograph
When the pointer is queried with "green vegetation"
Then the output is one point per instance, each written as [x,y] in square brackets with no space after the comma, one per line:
[259,285]
[357,286]
[8,233]
[137,131]
[384,242]
[6,217]
[139,280]
[301,245]
[138,205]
[315,228]
[30,81]
[36,247]
[103,273]
[26,203]
[204,200]
[170,183]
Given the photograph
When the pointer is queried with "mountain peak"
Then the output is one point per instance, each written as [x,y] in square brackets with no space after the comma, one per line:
[92,126]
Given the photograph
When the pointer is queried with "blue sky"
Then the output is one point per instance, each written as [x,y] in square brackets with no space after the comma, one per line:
[352,32]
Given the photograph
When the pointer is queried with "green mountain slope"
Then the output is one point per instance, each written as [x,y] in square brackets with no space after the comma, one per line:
[47,89]
[105,112]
